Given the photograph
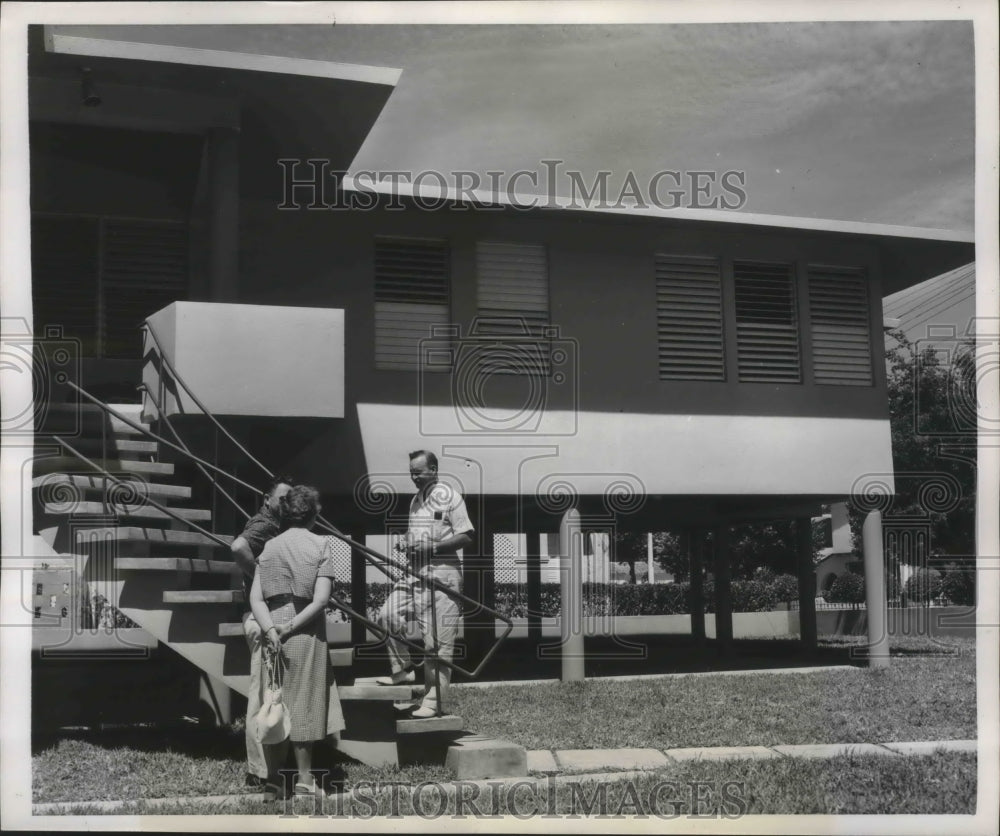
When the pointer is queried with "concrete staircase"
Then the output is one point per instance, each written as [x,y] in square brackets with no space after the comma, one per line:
[183,588]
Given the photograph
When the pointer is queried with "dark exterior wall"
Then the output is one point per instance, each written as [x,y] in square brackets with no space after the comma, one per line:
[602,297]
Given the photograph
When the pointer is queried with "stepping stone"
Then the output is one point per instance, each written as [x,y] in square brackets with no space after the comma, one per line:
[591,759]
[929,747]
[830,750]
[541,760]
[719,753]
[476,757]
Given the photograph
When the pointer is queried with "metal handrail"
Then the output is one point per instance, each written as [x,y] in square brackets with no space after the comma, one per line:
[145,500]
[371,555]
[166,420]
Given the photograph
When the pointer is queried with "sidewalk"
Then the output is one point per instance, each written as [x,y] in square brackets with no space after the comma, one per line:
[596,765]
[562,761]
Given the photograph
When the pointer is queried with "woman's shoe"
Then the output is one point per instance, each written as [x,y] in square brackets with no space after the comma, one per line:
[302,788]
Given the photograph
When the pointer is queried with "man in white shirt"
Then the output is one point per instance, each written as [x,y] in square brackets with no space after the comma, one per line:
[439,528]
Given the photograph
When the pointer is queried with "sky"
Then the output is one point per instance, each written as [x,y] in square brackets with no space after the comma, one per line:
[868,121]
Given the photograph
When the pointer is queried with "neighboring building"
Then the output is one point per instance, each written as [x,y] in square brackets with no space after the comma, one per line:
[948,300]
[691,370]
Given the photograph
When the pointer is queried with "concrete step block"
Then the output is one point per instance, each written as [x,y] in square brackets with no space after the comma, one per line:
[203,596]
[476,757]
[445,723]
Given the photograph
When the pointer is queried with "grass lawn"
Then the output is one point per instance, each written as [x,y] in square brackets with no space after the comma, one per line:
[848,784]
[921,697]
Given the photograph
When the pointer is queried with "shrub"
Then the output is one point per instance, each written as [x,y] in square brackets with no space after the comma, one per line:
[786,587]
[753,596]
[848,588]
[923,585]
[959,585]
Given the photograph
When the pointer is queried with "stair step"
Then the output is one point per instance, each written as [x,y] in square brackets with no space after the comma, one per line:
[137,534]
[203,596]
[444,723]
[88,445]
[86,417]
[86,482]
[364,690]
[136,466]
[129,511]
[175,564]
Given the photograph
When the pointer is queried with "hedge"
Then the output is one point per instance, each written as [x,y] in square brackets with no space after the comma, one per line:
[848,588]
[923,585]
[959,585]
[617,599]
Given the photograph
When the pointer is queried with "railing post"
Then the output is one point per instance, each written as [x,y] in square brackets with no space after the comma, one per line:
[807,582]
[723,591]
[692,545]
[571,575]
[878,637]
[533,548]
[359,594]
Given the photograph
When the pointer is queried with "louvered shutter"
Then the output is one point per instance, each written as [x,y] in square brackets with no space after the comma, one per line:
[839,322]
[144,268]
[512,282]
[689,318]
[411,299]
[767,335]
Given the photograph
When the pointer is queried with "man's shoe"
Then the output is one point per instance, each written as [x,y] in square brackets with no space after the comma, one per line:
[254,781]
[424,712]
[400,678]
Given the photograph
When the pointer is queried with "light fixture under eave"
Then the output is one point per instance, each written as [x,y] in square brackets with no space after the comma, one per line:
[88,93]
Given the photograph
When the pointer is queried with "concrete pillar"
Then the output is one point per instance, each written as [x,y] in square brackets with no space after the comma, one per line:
[571,576]
[223,213]
[723,593]
[649,558]
[807,581]
[875,600]
[692,545]
[533,554]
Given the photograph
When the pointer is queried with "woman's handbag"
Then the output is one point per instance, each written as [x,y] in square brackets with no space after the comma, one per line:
[273,723]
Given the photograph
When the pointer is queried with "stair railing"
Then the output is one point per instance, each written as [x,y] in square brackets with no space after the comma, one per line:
[380,561]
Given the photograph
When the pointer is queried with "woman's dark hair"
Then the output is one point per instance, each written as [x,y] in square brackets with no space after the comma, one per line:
[300,507]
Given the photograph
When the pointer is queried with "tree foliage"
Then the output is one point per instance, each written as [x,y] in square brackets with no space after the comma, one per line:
[932,397]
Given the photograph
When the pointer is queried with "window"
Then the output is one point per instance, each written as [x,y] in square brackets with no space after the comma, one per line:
[767,337]
[839,324]
[689,318]
[99,278]
[412,296]
[512,283]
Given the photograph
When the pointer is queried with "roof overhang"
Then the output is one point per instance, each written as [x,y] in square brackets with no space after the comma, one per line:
[60,42]
[909,254]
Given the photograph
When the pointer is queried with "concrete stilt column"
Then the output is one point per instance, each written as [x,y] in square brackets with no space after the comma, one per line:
[723,592]
[571,576]
[875,600]
[807,582]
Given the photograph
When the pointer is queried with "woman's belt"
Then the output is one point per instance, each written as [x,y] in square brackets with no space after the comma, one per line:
[275,602]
